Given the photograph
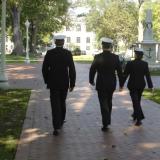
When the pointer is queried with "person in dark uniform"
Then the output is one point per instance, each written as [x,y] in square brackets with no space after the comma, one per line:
[59,74]
[105,65]
[137,70]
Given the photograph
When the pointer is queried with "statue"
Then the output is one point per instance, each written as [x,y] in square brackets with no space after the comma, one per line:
[149,45]
[148,33]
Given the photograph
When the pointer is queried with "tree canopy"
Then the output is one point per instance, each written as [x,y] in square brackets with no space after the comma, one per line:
[115,19]
[45,17]
[118,19]
[156,20]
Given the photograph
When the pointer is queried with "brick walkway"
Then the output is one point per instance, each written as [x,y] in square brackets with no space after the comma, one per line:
[81,137]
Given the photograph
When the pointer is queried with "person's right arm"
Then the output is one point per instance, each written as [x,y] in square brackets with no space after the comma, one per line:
[126,73]
[72,73]
[92,72]
[148,77]
[45,67]
[119,72]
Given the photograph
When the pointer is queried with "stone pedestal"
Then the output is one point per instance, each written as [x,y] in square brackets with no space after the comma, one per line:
[149,51]
[150,46]
[158,53]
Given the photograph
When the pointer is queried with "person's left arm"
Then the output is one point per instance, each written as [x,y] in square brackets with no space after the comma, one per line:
[148,77]
[119,72]
[72,73]
[126,72]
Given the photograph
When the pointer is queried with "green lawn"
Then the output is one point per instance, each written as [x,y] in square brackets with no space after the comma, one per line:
[83,58]
[155,96]
[155,73]
[13,105]
[10,59]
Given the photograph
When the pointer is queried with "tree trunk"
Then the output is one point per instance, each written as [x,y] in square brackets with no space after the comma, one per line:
[17,38]
[33,39]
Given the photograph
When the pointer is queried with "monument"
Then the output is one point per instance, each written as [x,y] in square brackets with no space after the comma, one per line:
[149,45]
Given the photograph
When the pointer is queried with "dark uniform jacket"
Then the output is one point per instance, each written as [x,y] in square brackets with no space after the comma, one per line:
[58,69]
[137,71]
[105,64]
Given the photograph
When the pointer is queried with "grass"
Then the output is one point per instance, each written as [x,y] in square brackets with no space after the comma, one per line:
[155,73]
[10,59]
[155,96]
[83,58]
[13,105]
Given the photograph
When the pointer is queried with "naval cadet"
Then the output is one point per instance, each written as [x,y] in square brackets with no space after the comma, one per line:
[137,70]
[59,75]
[106,65]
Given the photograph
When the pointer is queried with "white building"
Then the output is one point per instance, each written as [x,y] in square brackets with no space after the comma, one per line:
[9,45]
[77,35]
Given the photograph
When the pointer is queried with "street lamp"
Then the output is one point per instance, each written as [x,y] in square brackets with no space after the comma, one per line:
[27,60]
[3,78]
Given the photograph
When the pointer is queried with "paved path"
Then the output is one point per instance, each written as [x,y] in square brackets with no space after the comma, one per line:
[81,137]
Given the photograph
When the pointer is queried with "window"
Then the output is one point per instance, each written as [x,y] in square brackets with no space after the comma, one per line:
[87,47]
[78,40]
[88,40]
[78,27]
[68,39]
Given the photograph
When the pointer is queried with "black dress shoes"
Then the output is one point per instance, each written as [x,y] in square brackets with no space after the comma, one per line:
[138,123]
[104,128]
[55,133]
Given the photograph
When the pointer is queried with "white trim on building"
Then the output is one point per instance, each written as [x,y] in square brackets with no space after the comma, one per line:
[77,36]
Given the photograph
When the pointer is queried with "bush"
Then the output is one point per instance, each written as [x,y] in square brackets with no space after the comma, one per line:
[76,52]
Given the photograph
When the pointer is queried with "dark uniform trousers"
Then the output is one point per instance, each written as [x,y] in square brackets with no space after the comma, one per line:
[136,100]
[58,106]
[105,99]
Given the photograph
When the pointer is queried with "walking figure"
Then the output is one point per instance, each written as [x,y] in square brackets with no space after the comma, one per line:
[137,70]
[105,65]
[59,74]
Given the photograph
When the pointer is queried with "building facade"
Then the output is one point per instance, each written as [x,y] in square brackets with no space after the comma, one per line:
[77,36]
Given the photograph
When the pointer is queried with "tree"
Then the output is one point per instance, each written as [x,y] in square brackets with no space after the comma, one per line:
[156,20]
[117,20]
[15,10]
[45,17]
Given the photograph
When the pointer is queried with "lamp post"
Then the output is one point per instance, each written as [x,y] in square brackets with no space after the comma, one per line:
[27,60]
[3,78]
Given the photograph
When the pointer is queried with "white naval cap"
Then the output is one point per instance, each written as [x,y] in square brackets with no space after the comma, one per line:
[139,50]
[106,40]
[59,37]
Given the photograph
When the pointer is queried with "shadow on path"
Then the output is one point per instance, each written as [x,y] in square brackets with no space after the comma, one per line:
[81,137]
